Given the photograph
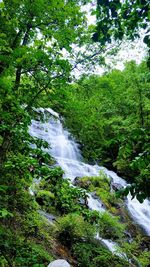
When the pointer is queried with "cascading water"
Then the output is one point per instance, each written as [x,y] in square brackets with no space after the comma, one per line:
[67,154]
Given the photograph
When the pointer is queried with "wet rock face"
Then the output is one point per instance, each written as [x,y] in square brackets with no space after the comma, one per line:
[48,216]
[116,187]
[93,194]
[76,180]
[59,263]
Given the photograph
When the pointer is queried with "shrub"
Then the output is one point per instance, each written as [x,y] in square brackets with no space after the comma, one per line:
[45,198]
[72,228]
[110,227]
[69,198]
[136,251]
[32,255]
[93,255]
[17,251]
[144,258]
[56,192]
[101,181]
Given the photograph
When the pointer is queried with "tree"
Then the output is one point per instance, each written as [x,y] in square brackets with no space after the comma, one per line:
[33,37]
[117,19]
[112,113]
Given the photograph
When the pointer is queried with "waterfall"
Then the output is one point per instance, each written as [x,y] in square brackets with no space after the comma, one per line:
[67,154]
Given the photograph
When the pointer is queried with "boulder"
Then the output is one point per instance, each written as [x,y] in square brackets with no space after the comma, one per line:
[76,180]
[48,216]
[59,263]
[93,194]
[116,186]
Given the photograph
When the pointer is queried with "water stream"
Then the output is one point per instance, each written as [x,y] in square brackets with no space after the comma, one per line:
[67,154]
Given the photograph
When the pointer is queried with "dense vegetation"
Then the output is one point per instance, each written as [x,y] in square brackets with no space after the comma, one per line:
[35,35]
[109,116]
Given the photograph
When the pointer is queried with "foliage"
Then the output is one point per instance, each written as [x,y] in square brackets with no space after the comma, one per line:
[112,113]
[92,254]
[72,228]
[70,199]
[56,194]
[144,259]
[29,67]
[110,227]
[133,252]
[34,37]
[100,185]
[22,242]
[117,19]
[101,181]
[27,255]
[45,198]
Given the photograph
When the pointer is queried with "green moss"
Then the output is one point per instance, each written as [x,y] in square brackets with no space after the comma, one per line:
[101,186]
[101,181]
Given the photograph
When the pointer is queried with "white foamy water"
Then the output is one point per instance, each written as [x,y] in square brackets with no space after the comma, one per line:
[67,154]
[95,204]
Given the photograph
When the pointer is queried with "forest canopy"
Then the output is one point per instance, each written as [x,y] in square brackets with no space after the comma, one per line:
[111,111]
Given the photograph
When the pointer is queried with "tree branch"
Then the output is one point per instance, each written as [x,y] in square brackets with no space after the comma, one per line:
[92,56]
